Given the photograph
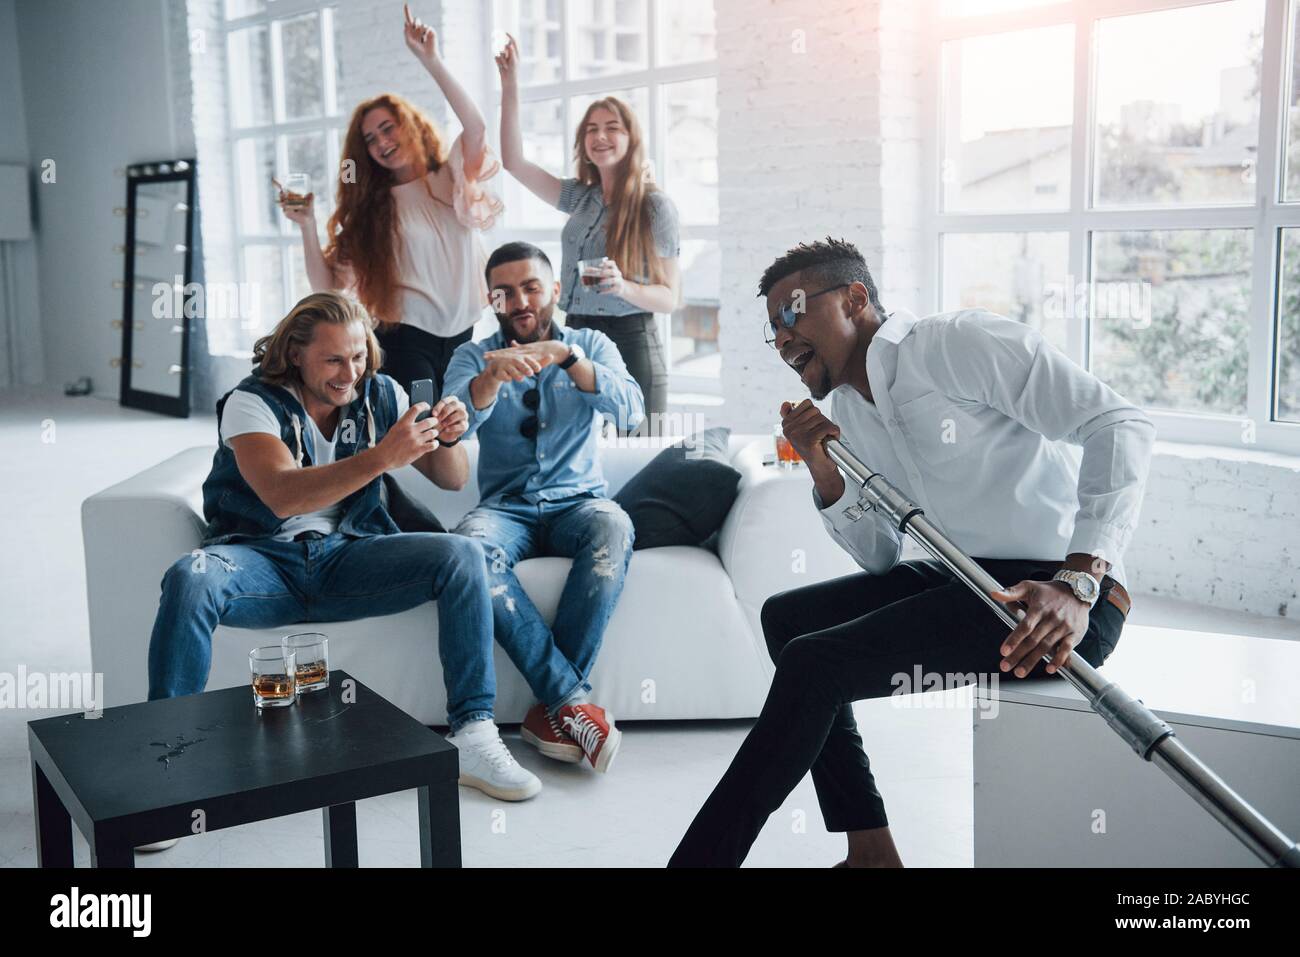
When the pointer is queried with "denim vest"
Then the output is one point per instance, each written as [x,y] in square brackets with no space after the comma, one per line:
[232,508]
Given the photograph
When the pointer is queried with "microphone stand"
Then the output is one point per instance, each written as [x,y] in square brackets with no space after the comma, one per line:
[1149,736]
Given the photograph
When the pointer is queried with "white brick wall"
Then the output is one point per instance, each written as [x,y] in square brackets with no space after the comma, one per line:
[1221,527]
[374,58]
[802,155]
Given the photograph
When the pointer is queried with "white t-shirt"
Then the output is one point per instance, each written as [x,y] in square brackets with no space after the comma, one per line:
[246,412]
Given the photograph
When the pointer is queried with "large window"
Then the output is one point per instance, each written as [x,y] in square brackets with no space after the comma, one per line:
[284,76]
[1125,176]
[658,55]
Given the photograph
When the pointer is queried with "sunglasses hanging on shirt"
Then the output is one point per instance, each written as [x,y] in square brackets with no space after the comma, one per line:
[532,400]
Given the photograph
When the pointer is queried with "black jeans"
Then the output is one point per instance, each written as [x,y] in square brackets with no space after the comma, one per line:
[842,641]
[637,338]
[411,353]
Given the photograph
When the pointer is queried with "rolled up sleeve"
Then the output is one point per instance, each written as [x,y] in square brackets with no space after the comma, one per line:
[466,363]
[617,397]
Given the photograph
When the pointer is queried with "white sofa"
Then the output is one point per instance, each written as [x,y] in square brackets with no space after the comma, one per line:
[684,642]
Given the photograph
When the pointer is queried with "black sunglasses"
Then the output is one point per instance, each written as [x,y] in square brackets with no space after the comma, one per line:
[532,399]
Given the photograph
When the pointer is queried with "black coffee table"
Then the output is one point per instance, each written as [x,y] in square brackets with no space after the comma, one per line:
[148,772]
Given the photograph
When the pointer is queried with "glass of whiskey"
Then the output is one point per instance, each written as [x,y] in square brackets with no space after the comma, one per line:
[311,655]
[274,676]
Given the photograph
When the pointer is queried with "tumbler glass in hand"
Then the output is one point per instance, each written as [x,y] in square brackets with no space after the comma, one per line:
[786,456]
[591,271]
[294,190]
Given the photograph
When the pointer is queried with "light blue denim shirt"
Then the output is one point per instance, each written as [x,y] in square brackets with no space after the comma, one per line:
[561,462]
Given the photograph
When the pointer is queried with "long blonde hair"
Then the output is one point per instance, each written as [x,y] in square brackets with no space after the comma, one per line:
[363,227]
[629,237]
[273,353]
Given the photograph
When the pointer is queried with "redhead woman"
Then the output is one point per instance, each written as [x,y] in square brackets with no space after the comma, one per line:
[404,236]
[618,217]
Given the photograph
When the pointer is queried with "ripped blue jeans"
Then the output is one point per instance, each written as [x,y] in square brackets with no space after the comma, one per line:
[264,583]
[597,534]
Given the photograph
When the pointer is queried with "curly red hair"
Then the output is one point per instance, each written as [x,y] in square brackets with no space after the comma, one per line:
[363,227]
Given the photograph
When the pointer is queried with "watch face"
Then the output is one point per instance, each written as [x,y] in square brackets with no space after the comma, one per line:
[1087,586]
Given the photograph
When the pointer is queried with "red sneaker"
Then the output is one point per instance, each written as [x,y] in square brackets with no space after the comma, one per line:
[543,732]
[593,728]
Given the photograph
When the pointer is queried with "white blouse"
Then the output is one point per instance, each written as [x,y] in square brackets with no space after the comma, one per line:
[440,256]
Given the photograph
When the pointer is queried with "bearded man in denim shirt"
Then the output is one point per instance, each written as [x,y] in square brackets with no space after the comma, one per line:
[535,392]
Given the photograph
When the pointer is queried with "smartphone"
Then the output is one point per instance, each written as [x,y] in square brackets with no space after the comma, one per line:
[422,391]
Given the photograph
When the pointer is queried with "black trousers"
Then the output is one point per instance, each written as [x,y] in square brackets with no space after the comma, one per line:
[637,338]
[411,353]
[862,636]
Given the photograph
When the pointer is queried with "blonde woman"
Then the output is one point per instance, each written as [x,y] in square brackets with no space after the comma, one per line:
[404,236]
[617,214]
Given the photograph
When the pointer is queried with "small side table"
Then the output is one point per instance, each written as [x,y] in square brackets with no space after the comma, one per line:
[148,772]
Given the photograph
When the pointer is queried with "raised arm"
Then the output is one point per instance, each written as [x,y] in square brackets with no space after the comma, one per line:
[874,544]
[423,42]
[303,214]
[538,181]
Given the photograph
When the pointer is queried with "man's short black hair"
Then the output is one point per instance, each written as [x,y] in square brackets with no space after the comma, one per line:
[829,263]
[513,253]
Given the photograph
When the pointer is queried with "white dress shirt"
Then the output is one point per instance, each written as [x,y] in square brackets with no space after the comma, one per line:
[1012,450]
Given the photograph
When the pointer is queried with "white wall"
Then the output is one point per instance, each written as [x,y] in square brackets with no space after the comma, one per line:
[1220,527]
[801,156]
[27,359]
[98,95]
[375,59]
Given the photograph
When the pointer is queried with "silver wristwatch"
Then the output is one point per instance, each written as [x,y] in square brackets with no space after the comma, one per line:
[1085,587]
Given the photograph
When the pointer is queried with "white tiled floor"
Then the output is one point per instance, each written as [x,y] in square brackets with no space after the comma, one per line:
[632,816]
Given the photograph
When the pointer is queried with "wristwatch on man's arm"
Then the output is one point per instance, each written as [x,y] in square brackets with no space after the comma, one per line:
[1086,588]
[576,354]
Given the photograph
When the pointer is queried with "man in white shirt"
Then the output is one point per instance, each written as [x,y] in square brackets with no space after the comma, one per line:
[1024,460]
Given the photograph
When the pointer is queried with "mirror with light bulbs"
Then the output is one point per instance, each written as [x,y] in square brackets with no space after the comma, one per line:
[158,282]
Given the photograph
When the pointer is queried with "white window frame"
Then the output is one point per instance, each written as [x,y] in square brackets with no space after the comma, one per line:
[1266,216]
[653,77]
[329,123]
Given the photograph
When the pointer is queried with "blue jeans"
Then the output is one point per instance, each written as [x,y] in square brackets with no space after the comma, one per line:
[597,534]
[265,583]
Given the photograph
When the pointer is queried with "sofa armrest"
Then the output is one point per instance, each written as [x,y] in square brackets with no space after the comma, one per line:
[773,538]
[133,531]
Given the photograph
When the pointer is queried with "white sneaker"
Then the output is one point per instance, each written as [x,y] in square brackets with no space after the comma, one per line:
[486,764]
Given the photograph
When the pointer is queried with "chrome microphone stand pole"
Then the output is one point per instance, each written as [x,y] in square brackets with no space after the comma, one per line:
[1149,736]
